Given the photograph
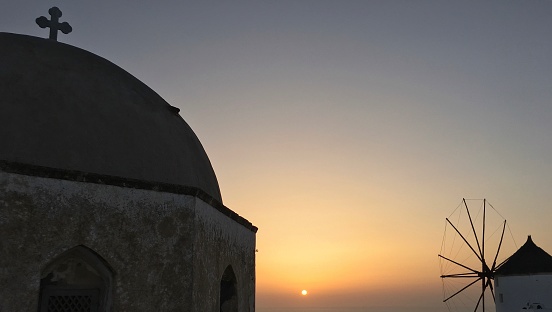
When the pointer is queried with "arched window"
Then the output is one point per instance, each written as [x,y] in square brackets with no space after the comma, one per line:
[228,291]
[77,280]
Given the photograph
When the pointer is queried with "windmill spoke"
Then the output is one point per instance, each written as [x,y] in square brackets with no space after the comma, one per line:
[501,263]
[499,245]
[483,242]
[479,301]
[465,267]
[469,245]
[473,228]
[461,275]
[483,282]
[456,293]
[492,290]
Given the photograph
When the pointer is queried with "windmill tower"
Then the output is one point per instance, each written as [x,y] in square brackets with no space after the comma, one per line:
[524,281]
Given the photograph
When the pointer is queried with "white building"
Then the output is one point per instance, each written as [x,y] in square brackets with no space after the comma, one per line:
[524,281]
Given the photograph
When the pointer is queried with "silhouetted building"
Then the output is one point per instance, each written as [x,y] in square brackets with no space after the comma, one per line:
[524,281]
[108,201]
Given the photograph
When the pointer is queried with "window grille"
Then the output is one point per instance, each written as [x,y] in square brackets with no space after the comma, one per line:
[69,300]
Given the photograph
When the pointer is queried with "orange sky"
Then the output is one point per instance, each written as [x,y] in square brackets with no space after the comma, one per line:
[346,130]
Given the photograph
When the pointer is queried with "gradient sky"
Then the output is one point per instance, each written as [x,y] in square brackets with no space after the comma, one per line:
[346,130]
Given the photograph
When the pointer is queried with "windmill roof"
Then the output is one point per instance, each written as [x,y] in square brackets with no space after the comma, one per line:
[529,259]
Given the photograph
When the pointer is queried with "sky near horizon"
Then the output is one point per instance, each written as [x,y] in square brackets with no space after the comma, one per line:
[347,131]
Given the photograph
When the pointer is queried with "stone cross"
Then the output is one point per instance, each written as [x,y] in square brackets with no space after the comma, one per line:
[54,23]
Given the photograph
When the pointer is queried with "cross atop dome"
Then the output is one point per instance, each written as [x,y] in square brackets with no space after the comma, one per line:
[54,23]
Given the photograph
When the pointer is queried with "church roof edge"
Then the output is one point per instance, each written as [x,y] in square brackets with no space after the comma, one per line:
[86,177]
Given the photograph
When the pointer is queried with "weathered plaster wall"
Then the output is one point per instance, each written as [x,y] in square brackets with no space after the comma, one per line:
[145,236]
[219,243]
[167,250]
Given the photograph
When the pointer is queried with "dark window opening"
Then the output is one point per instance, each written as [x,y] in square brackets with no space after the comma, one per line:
[78,280]
[228,291]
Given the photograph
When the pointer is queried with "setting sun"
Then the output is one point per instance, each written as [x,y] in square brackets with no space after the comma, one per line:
[304,292]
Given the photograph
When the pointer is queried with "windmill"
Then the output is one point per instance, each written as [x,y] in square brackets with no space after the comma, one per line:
[470,255]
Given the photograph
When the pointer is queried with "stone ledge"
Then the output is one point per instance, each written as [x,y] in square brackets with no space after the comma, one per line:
[85,177]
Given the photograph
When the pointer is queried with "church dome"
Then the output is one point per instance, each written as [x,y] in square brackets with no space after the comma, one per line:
[66,108]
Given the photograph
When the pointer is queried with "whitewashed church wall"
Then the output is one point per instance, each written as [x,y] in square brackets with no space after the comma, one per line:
[145,236]
[220,242]
[515,292]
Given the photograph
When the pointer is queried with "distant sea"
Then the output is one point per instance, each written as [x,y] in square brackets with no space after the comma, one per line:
[358,309]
